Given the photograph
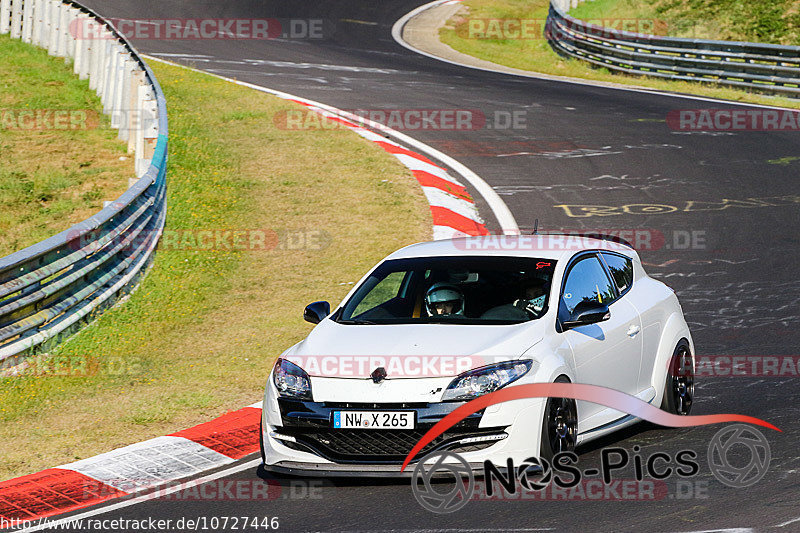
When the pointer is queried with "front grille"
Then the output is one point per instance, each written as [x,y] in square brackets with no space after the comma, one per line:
[378,446]
[362,405]
[310,423]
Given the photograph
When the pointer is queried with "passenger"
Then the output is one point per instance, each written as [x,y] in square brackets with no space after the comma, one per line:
[533,297]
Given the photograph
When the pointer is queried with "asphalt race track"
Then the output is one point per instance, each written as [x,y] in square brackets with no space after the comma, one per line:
[733,264]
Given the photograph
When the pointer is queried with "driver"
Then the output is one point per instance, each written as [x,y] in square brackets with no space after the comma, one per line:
[533,296]
[444,299]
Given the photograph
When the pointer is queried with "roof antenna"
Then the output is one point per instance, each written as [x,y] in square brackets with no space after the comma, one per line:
[535,227]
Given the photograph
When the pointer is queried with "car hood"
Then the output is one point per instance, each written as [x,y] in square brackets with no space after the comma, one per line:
[410,350]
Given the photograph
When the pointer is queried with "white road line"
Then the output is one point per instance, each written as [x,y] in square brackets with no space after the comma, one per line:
[54,524]
[792,521]
[500,210]
[374,137]
[397,34]
[724,530]
[183,56]
[318,66]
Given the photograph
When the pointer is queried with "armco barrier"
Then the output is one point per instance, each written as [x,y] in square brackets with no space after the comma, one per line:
[50,289]
[766,68]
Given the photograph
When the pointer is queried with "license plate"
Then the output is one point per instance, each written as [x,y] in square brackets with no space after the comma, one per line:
[373,419]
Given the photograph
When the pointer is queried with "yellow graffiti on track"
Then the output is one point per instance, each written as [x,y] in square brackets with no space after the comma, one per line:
[585,211]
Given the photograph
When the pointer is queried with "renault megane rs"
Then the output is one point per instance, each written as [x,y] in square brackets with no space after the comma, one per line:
[437,324]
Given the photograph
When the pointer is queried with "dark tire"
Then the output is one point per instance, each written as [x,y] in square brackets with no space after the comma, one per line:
[679,385]
[559,426]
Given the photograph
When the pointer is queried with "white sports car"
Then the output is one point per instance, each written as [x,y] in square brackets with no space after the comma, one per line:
[437,324]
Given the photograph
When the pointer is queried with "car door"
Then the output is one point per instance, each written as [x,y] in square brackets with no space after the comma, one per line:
[607,353]
[647,304]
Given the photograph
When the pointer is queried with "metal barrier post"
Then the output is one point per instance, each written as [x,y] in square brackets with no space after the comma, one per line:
[135,120]
[27,19]
[16,18]
[5,16]
[55,23]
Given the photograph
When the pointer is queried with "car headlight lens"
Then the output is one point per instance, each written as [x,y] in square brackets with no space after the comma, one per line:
[291,380]
[474,383]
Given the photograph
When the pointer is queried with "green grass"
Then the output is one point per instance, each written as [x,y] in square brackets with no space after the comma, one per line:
[536,55]
[200,334]
[51,177]
[762,21]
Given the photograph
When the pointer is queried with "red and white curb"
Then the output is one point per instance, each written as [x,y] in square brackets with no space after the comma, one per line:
[133,469]
[453,210]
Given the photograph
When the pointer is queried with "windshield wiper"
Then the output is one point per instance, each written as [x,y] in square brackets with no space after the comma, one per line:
[357,322]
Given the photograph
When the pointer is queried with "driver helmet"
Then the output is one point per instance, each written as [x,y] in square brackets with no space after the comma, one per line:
[444,299]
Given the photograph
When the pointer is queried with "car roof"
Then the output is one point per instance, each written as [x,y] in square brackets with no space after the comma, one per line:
[556,247]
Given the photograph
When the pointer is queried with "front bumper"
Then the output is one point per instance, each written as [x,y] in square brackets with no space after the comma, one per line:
[299,468]
[298,437]
[306,427]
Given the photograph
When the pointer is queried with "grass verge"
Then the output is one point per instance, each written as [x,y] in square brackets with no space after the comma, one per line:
[200,334]
[59,157]
[760,21]
[536,55]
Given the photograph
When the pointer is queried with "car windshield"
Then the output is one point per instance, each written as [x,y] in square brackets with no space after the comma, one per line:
[458,290]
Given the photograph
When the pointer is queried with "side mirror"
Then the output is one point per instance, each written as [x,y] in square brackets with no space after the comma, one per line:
[587,313]
[316,312]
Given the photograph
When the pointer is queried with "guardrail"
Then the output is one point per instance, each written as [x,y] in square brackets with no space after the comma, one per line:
[765,68]
[50,289]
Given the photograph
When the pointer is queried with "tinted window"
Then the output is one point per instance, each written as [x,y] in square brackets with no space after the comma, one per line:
[476,290]
[385,290]
[621,270]
[587,282]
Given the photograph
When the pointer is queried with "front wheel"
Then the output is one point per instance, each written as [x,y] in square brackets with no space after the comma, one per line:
[679,386]
[559,426]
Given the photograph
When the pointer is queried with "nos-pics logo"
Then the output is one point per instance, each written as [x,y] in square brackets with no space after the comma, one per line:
[443,481]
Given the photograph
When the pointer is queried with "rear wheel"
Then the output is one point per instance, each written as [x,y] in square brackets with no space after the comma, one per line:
[559,426]
[679,386]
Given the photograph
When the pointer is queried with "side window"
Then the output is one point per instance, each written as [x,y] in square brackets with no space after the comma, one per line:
[621,270]
[587,282]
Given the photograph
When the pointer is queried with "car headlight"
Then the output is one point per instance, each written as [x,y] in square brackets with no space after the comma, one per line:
[291,380]
[474,383]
